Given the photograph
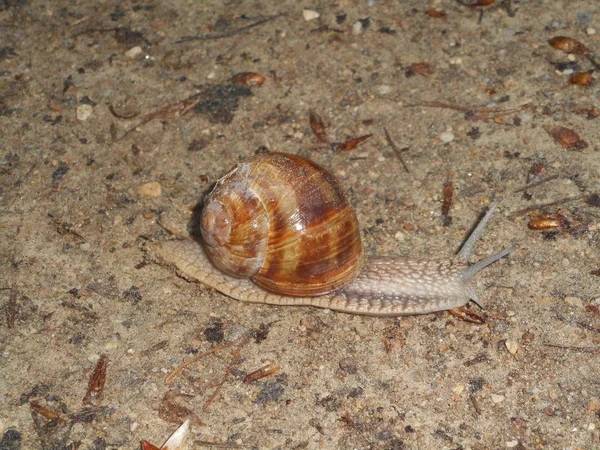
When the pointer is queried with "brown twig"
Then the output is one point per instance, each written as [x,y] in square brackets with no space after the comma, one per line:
[202,355]
[229,33]
[483,111]
[587,349]
[536,183]
[524,211]
[234,358]
[397,151]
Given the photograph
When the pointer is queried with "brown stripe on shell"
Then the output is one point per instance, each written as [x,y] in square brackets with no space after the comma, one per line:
[316,248]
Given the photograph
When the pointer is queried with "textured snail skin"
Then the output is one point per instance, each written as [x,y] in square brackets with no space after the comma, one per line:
[387,286]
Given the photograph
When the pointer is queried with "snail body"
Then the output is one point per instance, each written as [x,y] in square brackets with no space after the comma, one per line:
[279,230]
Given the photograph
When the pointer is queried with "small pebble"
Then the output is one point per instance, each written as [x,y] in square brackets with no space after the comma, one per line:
[458,389]
[310,14]
[357,27]
[134,426]
[512,347]
[84,112]
[590,31]
[512,444]
[85,247]
[574,301]
[447,136]
[133,52]
[497,398]
[151,189]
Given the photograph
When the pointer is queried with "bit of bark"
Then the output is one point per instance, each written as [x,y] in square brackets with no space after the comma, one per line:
[436,14]
[447,203]
[265,371]
[248,78]
[422,69]
[568,45]
[581,78]
[548,221]
[318,127]
[565,137]
[96,383]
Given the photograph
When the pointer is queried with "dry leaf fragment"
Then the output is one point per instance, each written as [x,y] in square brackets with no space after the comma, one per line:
[248,78]
[318,127]
[436,14]
[565,137]
[423,69]
[263,372]
[172,412]
[568,45]
[177,441]
[351,143]
[581,78]
[95,389]
[548,221]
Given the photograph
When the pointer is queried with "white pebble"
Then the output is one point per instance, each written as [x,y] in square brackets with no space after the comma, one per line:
[574,301]
[590,31]
[133,51]
[309,14]
[84,112]
[151,189]
[458,389]
[447,136]
[496,398]
[134,426]
[512,347]
[357,27]
[512,444]
[85,247]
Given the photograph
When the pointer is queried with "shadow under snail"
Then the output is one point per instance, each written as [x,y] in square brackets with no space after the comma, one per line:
[278,229]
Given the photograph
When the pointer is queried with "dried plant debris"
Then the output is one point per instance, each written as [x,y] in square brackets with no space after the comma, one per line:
[350,144]
[565,137]
[52,419]
[548,222]
[422,69]
[447,204]
[96,383]
[318,127]
[568,45]
[265,371]
[177,441]
[248,78]
[173,412]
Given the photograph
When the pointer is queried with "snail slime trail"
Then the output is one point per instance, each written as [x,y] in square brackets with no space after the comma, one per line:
[278,229]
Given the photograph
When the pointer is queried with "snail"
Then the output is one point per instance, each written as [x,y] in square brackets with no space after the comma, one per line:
[278,229]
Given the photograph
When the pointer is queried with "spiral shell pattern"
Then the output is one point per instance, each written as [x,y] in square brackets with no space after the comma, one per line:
[285,222]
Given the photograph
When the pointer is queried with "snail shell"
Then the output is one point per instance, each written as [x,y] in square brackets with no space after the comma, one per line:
[279,230]
[284,222]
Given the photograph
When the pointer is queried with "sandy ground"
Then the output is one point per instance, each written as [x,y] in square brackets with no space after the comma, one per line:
[76,283]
